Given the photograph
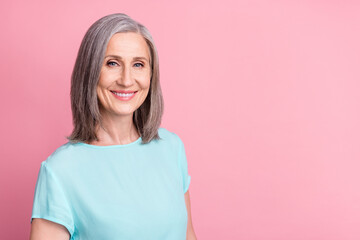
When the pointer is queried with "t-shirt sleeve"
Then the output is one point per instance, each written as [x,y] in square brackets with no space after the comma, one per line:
[184,167]
[50,202]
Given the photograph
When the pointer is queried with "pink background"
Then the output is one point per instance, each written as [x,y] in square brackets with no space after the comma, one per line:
[264,94]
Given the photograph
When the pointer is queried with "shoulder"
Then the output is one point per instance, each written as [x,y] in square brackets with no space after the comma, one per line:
[169,136]
[171,139]
[62,157]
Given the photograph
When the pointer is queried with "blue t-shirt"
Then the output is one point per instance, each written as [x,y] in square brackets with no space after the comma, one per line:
[131,191]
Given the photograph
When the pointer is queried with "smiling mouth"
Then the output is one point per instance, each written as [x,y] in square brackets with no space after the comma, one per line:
[123,94]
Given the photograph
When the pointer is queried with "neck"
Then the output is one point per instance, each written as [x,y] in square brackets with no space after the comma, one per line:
[116,130]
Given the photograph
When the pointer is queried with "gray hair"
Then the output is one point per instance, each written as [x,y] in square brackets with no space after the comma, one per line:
[86,73]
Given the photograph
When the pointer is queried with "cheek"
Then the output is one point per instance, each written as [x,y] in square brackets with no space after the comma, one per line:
[106,78]
[101,93]
[99,96]
[145,81]
[143,77]
[98,91]
[147,84]
[102,80]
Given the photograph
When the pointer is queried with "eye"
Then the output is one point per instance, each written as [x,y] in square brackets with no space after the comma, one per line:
[141,65]
[111,63]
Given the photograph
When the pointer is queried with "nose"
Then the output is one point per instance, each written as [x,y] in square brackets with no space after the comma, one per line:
[125,79]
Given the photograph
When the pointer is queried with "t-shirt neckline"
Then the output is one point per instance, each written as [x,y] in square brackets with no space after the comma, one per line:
[137,141]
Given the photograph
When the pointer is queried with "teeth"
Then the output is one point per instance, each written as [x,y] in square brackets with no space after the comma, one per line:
[124,94]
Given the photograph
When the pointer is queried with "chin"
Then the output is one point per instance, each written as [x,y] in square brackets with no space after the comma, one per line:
[126,112]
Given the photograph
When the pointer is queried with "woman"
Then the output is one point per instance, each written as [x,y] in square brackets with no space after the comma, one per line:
[120,175]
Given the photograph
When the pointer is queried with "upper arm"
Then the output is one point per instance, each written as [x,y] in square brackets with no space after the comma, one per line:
[51,205]
[42,229]
[190,233]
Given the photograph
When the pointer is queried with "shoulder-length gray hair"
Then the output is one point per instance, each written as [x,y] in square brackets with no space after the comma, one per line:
[86,73]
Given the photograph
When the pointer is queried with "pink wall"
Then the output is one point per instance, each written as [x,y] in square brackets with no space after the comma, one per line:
[264,94]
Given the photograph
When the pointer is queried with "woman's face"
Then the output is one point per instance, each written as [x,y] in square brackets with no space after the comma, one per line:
[126,67]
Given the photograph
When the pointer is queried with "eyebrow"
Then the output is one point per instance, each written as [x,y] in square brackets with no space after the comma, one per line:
[119,57]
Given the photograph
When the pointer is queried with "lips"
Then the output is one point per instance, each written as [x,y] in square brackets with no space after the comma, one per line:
[123,91]
[124,95]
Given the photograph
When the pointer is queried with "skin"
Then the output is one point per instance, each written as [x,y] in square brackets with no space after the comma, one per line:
[42,229]
[190,233]
[125,72]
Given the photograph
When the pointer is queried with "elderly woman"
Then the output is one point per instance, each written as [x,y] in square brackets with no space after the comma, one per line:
[120,175]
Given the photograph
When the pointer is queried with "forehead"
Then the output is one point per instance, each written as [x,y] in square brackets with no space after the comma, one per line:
[128,44]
